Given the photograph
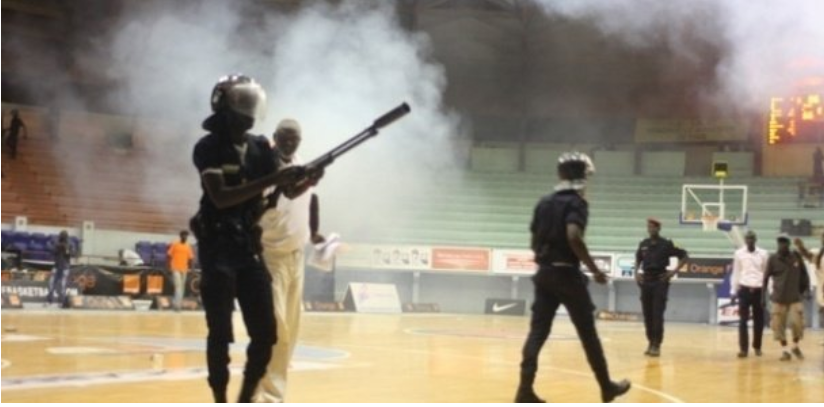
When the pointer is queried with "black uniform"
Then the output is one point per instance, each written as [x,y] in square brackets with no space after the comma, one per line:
[229,246]
[14,134]
[559,280]
[653,257]
[59,277]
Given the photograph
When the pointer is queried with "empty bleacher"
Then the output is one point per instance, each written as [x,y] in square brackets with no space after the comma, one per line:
[494,210]
[61,182]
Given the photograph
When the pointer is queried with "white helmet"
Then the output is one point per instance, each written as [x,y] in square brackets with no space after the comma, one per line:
[241,94]
[574,166]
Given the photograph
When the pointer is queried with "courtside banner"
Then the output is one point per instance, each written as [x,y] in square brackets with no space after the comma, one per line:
[710,268]
[605,263]
[464,259]
[514,262]
[503,306]
[624,266]
[386,257]
[373,298]
[727,313]
[32,291]
[520,262]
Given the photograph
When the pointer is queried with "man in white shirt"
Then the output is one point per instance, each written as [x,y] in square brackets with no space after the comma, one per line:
[746,286]
[290,222]
[128,258]
[817,260]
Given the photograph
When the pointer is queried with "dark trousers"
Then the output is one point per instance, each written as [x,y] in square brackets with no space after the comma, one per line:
[11,141]
[750,299]
[224,278]
[654,304]
[57,284]
[554,287]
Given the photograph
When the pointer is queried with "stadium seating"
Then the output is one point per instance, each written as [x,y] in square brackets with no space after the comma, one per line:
[488,209]
[494,210]
[37,246]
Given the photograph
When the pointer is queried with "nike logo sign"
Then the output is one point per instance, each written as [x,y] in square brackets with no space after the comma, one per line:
[499,308]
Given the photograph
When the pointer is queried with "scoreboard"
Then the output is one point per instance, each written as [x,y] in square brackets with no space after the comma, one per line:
[797,119]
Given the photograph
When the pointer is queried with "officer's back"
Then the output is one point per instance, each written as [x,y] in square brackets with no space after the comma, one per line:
[549,228]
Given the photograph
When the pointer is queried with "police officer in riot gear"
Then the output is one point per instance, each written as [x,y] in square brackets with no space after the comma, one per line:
[235,167]
[558,226]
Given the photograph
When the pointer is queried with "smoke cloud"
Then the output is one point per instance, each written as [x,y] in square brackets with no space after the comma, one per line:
[334,68]
[765,49]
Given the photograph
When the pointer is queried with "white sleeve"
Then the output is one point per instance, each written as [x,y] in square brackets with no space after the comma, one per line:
[736,274]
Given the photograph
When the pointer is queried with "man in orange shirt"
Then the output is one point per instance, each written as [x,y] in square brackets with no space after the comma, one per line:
[180,262]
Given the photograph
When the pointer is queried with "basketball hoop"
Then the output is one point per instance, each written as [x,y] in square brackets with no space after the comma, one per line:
[710,223]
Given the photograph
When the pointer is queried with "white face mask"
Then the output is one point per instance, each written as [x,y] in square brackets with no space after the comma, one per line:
[577,185]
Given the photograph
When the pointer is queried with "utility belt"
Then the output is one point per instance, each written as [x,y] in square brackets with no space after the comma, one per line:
[551,265]
[654,272]
[235,232]
[547,258]
[750,289]
[652,276]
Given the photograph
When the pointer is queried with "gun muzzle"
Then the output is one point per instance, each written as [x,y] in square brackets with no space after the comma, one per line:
[390,117]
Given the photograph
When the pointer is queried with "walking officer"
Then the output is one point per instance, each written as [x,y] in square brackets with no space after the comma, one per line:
[558,226]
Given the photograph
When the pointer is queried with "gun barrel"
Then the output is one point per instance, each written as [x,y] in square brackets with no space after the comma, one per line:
[392,116]
[359,138]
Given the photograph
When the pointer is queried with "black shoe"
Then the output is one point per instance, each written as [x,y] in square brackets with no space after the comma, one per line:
[798,354]
[528,396]
[646,352]
[219,396]
[615,390]
[742,355]
[758,352]
[785,357]
[654,351]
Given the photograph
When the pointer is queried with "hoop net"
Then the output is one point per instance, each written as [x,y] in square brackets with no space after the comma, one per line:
[710,222]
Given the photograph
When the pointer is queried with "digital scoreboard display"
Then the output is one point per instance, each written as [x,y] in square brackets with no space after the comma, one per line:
[798,119]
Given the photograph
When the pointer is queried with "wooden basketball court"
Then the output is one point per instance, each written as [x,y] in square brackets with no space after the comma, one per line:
[89,356]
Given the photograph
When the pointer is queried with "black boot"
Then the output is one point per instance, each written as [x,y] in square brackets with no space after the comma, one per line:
[614,390]
[247,390]
[220,396]
[527,395]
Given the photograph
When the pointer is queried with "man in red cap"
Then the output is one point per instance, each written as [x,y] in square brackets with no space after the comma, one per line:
[653,257]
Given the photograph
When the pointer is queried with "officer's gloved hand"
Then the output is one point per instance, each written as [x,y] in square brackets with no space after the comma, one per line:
[290,175]
[314,174]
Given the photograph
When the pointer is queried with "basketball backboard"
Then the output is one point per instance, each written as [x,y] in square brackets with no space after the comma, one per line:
[714,206]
